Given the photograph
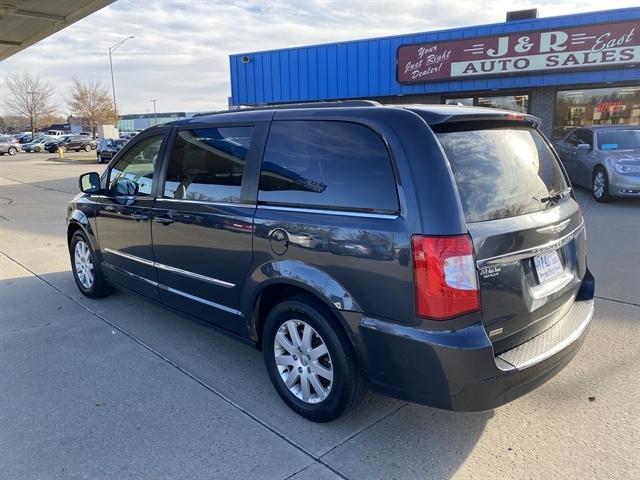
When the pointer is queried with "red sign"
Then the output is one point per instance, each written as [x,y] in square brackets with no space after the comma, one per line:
[594,46]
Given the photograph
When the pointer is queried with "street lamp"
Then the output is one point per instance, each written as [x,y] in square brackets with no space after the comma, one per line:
[112,49]
[155,114]
[32,114]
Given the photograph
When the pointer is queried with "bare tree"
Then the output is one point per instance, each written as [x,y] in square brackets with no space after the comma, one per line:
[29,97]
[91,102]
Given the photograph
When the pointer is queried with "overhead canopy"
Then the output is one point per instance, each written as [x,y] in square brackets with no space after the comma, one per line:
[25,22]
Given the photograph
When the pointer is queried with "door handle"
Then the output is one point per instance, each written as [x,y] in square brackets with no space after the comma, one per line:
[163,219]
[139,216]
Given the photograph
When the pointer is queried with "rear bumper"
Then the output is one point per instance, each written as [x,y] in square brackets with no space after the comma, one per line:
[458,370]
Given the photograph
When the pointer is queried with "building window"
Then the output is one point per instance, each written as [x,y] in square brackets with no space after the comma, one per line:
[596,106]
[466,101]
[516,103]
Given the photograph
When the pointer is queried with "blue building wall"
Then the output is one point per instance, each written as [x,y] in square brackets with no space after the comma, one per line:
[367,68]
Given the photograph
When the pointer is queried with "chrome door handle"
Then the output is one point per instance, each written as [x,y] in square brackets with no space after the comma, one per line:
[163,219]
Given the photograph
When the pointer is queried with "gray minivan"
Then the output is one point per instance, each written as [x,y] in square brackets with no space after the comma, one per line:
[431,253]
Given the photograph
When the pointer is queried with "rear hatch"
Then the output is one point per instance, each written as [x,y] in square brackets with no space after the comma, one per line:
[526,227]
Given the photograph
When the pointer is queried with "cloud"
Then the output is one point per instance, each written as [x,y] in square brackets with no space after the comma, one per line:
[180,53]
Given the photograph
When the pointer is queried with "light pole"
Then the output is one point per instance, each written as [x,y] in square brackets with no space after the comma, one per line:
[112,49]
[155,114]
[32,115]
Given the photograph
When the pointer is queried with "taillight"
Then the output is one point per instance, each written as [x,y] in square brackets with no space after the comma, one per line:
[445,276]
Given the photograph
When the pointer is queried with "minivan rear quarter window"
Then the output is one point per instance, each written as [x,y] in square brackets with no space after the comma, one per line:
[501,171]
[327,164]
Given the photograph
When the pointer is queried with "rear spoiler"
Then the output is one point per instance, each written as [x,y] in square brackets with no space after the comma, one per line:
[474,114]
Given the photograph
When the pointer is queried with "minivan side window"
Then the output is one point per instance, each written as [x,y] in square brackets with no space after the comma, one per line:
[207,164]
[327,164]
[133,173]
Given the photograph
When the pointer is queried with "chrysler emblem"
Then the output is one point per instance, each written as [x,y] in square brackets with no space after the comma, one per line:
[557,228]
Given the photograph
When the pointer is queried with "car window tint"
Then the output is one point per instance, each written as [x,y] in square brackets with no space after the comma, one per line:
[501,172]
[572,138]
[207,164]
[133,173]
[327,164]
[585,136]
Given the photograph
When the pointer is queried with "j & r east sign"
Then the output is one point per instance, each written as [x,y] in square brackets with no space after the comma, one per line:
[594,46]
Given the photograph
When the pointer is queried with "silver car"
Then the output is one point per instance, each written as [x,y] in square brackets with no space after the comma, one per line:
[8,145]
[605,159]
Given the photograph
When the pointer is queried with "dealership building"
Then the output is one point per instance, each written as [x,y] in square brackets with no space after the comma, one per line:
[571,70]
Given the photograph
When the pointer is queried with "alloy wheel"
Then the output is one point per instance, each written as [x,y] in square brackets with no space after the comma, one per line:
[599,182]
[83,263]
[303,361]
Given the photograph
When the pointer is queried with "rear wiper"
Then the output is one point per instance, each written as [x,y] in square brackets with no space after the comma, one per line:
[555,197]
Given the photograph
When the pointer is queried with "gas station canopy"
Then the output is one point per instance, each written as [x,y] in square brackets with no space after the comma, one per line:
[25,22]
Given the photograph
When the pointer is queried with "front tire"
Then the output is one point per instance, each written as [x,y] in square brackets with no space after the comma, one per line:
[12,151]
[310,360]
[86,272]
[600,185]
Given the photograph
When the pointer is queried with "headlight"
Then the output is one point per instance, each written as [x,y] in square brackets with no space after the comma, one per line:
[626,168]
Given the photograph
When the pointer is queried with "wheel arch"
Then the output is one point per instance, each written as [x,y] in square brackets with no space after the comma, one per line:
[274,282]
[79,221]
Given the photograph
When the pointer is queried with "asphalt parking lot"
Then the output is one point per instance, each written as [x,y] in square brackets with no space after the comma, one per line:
[120,388]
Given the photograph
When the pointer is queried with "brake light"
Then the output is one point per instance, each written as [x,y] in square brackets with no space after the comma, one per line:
[446,284]
[515,116]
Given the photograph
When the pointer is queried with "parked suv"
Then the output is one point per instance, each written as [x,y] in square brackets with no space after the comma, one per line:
[433,253]
[108,147]
[8,145]
[72,142]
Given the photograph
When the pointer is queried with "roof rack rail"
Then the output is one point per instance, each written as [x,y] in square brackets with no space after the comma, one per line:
[284,106]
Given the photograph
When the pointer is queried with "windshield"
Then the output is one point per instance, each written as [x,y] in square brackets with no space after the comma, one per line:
[619,139]
[502,172]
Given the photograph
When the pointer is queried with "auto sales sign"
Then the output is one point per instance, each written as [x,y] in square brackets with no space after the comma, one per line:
[594,46]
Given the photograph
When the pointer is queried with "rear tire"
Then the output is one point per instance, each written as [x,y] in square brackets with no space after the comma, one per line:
[600,185]
[87,148]
[12,151]
[323,385]
[36,149]
[86,272]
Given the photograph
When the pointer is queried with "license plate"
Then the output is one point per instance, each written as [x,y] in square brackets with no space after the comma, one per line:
[548,266]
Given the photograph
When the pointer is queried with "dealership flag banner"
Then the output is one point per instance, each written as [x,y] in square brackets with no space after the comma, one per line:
[542,51]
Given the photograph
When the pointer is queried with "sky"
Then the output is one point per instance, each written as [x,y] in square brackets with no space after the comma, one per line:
[180,53]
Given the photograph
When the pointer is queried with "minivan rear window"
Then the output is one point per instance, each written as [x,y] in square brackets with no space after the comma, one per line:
[501,171]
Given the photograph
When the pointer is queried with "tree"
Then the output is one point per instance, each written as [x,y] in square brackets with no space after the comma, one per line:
[91,102]
[29,97]
[13,123]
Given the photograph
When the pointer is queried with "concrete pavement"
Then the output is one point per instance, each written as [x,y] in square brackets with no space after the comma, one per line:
[121,388]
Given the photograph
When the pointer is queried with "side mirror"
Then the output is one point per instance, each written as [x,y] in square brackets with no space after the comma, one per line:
[583,146]
[89,182]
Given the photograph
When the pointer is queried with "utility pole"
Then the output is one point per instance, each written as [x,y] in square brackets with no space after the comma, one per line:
[155,114]
[112,49]
[32,114]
